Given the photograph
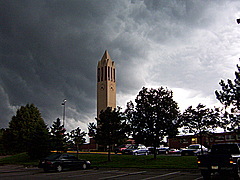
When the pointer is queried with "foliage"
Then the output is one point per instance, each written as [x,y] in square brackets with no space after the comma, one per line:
[200,120]
[154,117]
[229,96]
[27,132]
[77,137]
[110,128]
[57,136]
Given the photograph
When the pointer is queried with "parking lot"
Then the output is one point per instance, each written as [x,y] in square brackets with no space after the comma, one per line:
[12,172]
[8,172]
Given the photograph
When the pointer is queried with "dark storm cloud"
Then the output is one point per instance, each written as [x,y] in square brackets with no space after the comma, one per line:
[49,51]
[50,48]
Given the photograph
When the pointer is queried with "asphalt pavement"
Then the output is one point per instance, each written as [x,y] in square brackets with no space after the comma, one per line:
[6,168]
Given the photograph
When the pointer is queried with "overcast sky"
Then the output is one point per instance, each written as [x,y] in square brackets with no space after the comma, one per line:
[49,50]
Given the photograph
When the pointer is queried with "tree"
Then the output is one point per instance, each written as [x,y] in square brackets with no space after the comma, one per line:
[200,120]
[2,149]
[77,137]
[27,132]
[110,128]
[155,116]
[39,143]
[229,96]
[57,136]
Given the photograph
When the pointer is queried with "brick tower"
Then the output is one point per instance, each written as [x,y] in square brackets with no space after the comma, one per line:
[106,83]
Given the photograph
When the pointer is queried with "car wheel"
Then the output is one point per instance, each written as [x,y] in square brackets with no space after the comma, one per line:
[45,169]
[146,153]
[206,174]
[135,154]
[84,166]
[235,174]
[59,168]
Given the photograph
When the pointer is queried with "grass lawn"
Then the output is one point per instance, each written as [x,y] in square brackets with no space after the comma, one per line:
[119,161]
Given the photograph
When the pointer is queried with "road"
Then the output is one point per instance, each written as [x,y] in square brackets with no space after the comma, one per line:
[20,173]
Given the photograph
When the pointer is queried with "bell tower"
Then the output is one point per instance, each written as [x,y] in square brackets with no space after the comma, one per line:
[106,83]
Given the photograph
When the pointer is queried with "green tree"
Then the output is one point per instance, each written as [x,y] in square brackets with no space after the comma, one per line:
[154,117]
[200,120]
[110,128]
[57,136]
[27,132]
[229,96]
[77,137]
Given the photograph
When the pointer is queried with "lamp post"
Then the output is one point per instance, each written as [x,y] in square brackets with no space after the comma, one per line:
[238,21]
[64,110]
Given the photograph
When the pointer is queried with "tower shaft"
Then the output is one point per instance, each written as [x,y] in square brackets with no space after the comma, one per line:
[106,83]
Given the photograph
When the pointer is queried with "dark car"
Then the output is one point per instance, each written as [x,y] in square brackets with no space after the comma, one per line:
[59,162]
[222,159]
[151,150]
[136,149]
[119,149]
[158,150]
[163,150]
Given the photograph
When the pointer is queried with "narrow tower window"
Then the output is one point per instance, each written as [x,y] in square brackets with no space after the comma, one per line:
[98,75]
[111,74]
[105,73]
[114,75]
[102,74]
[108,73]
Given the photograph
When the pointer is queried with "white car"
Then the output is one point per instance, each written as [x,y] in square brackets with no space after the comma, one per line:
[193,150]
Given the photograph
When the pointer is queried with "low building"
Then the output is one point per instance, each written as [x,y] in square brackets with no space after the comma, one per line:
[208,139]
[88,147]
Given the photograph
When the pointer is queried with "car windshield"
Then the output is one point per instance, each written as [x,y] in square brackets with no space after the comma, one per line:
[53,156]
[193,147]
[164,148]
[225,149]
[133,147]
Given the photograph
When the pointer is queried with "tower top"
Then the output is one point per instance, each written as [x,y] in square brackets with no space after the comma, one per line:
[106,55]
[106,60]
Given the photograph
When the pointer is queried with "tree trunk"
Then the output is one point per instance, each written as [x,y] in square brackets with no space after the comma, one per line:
[155,152]
[109,153]
[201,142]
[77,150]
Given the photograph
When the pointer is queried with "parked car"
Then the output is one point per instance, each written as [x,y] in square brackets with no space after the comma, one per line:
[193,150]
[174,151]
[119,149]
[59,162]
[151,150]
[163,150]
[136,149]
[222,158]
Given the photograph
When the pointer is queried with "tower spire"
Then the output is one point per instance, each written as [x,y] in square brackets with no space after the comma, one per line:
[106,55]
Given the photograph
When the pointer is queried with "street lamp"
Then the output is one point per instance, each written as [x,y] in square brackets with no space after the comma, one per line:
[64,110]
[238,21]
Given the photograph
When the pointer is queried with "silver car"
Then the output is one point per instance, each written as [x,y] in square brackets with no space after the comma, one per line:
[136,149]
